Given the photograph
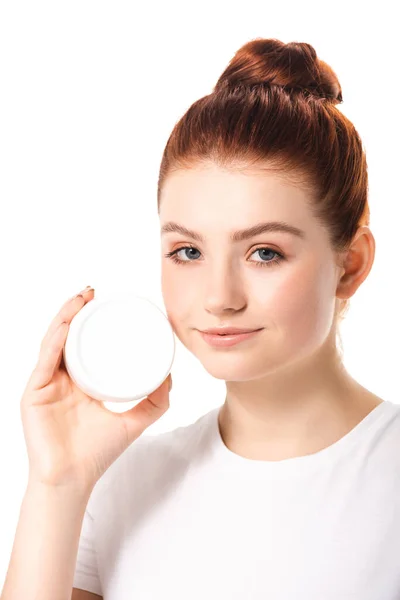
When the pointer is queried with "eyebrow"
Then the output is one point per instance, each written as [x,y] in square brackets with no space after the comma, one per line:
[242,234]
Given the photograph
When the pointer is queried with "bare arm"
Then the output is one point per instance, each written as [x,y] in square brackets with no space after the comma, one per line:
[45,548]
[72,439]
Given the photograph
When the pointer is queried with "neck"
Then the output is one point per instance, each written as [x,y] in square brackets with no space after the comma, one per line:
[295,411]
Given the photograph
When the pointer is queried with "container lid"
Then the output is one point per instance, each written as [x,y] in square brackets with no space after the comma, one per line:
[119,347]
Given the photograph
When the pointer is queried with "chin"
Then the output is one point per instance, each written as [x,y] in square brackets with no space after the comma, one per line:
[237,367]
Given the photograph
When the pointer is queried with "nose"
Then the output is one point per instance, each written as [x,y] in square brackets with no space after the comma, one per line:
[224,291]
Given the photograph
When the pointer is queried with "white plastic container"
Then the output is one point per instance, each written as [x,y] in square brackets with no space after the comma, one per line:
[119,348]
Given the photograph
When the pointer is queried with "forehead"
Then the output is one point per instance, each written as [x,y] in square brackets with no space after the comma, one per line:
[210,192]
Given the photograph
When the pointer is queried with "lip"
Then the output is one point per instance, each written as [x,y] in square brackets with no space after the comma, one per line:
[223,341]
[228,330]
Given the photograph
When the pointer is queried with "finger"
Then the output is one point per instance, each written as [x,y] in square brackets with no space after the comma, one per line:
[69,310]
[67,313]
[49,359]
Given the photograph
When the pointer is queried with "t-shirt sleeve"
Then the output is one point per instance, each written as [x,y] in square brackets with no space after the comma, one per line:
[86,575]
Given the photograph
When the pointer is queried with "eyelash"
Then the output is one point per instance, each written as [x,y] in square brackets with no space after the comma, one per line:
[173,257]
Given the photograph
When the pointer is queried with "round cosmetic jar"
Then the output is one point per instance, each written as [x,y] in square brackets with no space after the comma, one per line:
[119,348]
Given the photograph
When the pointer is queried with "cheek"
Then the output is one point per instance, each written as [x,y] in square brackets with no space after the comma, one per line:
[178,299]
[302,304]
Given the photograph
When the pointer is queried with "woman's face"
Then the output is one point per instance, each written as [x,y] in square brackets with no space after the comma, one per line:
[242,283]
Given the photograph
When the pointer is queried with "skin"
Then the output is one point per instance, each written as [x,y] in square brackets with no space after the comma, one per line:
[287,391]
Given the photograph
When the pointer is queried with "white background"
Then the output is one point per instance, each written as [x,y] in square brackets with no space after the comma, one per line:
[89,93]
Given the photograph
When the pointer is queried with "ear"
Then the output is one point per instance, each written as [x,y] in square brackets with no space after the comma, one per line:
[357,263]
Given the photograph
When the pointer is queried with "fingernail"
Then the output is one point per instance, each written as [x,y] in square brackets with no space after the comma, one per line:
[87,289]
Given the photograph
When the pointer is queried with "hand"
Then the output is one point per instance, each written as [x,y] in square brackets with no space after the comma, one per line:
[72,438]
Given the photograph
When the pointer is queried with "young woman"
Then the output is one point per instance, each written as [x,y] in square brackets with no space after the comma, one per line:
[290,489]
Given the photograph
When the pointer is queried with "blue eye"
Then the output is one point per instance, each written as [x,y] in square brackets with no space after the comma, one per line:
[279,257]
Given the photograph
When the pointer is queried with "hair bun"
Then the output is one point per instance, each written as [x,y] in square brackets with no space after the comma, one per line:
[273,63]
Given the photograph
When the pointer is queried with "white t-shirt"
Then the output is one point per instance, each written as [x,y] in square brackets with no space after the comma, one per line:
[178,516]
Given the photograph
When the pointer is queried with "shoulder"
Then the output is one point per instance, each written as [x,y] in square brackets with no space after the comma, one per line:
[178,445]
[150,462]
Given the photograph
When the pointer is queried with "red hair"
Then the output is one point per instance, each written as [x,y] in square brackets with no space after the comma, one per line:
[275,107]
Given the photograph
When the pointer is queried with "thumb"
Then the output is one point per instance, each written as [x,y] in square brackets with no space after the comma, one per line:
[147,411]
